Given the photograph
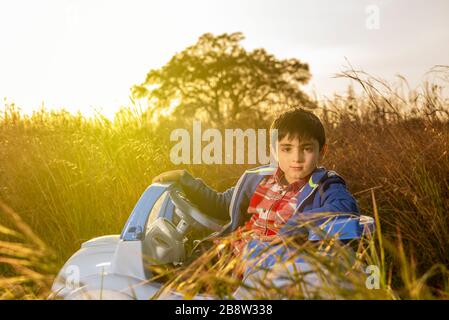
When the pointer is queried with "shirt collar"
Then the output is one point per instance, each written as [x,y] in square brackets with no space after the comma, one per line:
[279,178]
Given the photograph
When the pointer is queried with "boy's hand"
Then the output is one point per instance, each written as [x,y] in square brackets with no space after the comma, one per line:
[172,176]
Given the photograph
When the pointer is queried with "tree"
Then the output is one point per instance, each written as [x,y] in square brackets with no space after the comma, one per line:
[218,79]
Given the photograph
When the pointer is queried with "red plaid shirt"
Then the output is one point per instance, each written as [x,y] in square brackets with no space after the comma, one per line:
[271,205]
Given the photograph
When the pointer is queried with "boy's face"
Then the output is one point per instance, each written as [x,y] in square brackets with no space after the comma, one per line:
[298,157]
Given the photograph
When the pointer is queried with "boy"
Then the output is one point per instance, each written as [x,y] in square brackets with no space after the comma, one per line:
[270,202]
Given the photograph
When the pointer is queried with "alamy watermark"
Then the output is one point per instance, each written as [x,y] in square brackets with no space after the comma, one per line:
[372,21]
[189,148]
[373,279]
[72,274]
[72,277]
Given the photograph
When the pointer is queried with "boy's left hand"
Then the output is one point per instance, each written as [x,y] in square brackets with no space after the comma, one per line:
[169,176]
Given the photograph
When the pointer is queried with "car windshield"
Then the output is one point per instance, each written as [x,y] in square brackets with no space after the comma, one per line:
[155,210]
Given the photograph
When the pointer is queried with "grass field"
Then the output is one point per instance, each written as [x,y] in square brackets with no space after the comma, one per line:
[65,179]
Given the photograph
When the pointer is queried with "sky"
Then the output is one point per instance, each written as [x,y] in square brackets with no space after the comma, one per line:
[86,55]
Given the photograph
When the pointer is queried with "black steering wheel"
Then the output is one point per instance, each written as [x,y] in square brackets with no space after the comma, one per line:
[191,214]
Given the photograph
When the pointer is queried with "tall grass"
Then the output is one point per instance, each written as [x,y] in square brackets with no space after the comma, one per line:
[71,178]
[26,262]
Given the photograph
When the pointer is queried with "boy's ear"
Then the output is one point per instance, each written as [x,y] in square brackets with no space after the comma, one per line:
[323,151]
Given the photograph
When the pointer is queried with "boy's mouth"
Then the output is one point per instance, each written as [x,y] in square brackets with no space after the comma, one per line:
[296,168]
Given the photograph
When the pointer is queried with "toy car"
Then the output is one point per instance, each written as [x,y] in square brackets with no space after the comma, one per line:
[114,266]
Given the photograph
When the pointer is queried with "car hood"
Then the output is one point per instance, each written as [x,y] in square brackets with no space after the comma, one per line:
[103,241]
[93,258]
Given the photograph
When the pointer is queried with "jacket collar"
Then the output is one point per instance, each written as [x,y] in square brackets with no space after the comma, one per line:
[316,177]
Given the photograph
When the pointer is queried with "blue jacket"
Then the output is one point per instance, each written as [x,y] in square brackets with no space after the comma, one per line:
[325,192]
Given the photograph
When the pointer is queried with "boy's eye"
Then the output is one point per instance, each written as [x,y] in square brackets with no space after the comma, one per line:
[308,149]
[285,149]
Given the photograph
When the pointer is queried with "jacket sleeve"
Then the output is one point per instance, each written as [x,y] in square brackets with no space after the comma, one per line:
[334,198]
[216,204]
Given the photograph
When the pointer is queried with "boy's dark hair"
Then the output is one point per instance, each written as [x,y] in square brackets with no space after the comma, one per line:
[299,123]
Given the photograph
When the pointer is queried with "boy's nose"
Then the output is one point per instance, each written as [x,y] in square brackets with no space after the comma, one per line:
[298,157]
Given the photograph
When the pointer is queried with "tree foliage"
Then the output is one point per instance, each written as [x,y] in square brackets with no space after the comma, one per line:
[218,79]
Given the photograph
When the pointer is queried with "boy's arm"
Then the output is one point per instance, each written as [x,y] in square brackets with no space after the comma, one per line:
[216,204]
[335,198]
